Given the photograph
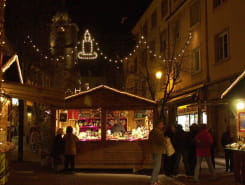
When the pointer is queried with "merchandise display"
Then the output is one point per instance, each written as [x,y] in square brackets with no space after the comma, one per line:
[120,125]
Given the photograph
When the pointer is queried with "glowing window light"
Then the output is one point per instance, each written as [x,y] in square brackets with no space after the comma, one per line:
[87,55]
[15,101]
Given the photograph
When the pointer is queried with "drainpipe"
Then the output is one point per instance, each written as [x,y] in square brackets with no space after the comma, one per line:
[206,46]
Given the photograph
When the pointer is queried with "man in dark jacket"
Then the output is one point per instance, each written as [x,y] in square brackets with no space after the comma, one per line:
[227,139]
[181,149]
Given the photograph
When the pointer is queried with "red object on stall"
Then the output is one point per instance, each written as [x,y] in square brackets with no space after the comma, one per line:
[72,114]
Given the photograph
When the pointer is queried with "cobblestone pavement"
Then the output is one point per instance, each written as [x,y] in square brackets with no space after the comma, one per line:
[33,174]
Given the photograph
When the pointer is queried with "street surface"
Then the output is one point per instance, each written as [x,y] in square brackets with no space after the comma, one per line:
[28,173]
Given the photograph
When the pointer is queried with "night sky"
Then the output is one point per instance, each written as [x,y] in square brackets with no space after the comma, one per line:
[108,20]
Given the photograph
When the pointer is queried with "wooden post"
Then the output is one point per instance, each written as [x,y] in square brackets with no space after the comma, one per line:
[103,124]
[21,130]
[53,122]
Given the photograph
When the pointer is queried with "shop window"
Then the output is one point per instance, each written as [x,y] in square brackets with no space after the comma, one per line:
[128,125]
[195,14]
[154,19]
[196,61]
[222,46]
[164,8]
[217,3]
[86,123]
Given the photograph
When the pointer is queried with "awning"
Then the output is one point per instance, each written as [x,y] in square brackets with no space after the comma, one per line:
[36,94]
[182,97]
[109,98]
[237,88]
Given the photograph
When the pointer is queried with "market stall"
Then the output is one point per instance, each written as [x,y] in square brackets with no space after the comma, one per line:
[5,145]
[236,98]
[113,127]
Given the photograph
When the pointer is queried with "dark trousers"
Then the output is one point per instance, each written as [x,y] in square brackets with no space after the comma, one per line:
[168,164]
[184,155]
[69,160]
[228,160]
[192,161]
[212,149]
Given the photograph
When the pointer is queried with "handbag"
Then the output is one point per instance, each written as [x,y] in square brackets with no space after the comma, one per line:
[169,147]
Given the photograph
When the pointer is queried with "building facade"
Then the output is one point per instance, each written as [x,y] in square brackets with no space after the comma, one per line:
[204,38]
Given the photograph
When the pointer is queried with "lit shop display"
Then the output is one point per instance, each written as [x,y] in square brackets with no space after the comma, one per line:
[120,125]
[188,115]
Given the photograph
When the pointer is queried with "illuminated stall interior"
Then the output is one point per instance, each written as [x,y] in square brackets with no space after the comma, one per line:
[104,113]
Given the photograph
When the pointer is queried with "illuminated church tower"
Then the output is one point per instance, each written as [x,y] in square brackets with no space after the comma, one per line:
[63,46]
[63,38]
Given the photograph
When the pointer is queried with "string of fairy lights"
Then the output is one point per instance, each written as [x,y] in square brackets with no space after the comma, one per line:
[142,42]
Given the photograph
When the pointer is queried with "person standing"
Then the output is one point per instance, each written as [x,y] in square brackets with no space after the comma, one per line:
[70,141]
[203,141]
[58,150]
[169,160]
[227,139]
[213,146]
[181,150]
[157,145]
[192,148]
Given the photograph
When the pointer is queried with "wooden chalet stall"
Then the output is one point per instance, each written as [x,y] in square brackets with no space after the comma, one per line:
[113,127]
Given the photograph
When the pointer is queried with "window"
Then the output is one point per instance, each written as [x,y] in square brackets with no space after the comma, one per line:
[195,13]
[196,60]
[176,30]
[218,2]
[152,49]
[132,66]
[164,8]
[163,41]
[144,55]
[143,87]
[135,65]
[145,29]
[222,46]
[153,19]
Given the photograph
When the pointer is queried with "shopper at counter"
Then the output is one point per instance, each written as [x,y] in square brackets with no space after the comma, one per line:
[70,141]
[118,127]
[58,150]
[157,144]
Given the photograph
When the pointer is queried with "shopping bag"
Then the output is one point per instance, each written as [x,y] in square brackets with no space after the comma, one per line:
[169,147]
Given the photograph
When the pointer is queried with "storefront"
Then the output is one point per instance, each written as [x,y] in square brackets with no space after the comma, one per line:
[113,127]
[235,94]
[188,115]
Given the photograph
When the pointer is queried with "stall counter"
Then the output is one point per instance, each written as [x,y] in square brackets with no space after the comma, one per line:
[114,154]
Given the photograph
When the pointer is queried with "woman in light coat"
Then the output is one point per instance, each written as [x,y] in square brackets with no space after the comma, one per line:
[157,144]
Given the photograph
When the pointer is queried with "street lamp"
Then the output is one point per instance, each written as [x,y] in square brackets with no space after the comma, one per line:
[240,105]
[158,74]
